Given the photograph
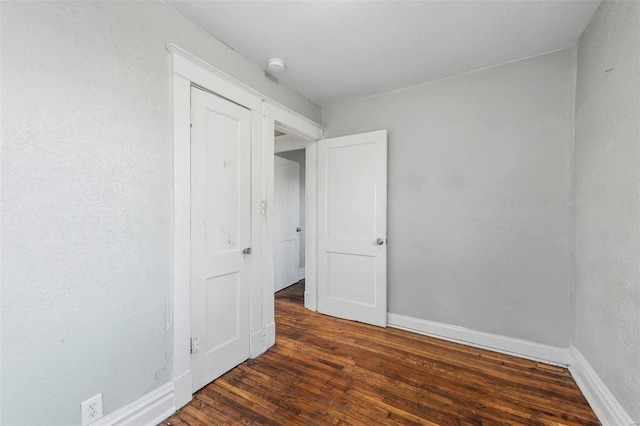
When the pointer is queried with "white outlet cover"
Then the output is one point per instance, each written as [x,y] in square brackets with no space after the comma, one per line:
[91,409]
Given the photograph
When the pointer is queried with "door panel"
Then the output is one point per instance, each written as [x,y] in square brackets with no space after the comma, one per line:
[352,227]
[223,300]
[287,221]
[357,270]
[351,194]
[220,230]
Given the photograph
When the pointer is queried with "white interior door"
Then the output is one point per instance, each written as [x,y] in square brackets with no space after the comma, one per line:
[220,230]
[287,222]
[352,227]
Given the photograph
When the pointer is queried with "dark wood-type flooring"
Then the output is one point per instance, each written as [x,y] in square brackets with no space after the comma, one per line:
[328,371]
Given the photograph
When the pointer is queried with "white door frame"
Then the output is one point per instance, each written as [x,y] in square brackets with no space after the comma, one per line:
[293,123]
[187,71]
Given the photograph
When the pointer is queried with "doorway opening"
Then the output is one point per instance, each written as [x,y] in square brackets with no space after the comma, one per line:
[289,209]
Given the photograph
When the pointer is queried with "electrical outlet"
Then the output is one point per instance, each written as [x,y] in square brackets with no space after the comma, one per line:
[91,410]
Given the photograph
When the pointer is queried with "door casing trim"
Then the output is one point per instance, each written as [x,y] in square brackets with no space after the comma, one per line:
[294,123]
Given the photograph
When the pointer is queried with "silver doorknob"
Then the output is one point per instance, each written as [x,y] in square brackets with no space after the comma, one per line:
[379,241]
[298,230]
[246,251]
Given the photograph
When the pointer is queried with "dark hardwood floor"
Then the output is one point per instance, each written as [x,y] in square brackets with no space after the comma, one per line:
[328,371]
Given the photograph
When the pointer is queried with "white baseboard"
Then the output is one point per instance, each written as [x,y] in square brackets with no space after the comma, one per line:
[182,389]
[256,346]
[602,401]
[310,301]
[262,340]
[301,274]
[270,336]
[508,345]
[150,409]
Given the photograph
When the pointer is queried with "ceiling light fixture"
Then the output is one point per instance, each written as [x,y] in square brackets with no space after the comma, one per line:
[275,65]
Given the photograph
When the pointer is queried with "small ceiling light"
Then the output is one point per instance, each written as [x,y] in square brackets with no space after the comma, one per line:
[275,65]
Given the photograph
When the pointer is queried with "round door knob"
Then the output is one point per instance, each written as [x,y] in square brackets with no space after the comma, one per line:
[379,241]
[298,230]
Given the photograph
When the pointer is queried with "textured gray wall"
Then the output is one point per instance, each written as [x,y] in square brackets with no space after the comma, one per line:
[299,156]
[480,196]
[607,207]
[86,199]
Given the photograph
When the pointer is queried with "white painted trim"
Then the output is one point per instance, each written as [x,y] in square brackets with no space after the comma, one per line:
[258,221]
[301,273]
[257,343]
[286,143]
[293,122]
[270,335]
[263,339]
[208,77]
[182,388]
[507,345]
[150,409]
[268,126]
[311,225]
[600,398]
[181,286]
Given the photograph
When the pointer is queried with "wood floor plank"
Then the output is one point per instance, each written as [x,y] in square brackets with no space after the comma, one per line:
[328,371]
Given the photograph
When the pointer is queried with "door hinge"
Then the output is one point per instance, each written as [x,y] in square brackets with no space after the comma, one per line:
[263,208]
[191,118]
[195,345]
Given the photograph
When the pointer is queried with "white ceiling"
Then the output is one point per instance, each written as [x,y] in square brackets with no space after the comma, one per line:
[343,50]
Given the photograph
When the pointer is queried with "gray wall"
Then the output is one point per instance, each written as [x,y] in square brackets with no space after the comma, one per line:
[86,199]
[480,196]
[607,205]
[299,156]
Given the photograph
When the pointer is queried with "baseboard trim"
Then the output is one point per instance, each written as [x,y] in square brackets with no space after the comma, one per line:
[182,389]
[262,340]
[150,409]
[600,398]
[507,345]
[256,346]
[301,274]
[270,335]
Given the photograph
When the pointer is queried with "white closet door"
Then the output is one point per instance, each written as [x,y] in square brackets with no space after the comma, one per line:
[220,231]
